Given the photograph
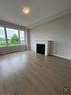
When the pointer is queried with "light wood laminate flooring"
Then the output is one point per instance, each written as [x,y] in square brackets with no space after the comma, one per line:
[27,73]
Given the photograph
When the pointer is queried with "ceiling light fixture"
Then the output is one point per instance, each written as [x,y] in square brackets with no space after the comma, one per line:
[26,9]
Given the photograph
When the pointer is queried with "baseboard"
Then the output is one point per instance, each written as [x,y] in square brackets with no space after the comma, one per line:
[60,56]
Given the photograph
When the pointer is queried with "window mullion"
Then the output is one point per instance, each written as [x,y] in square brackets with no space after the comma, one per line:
[6,36]
[19,35]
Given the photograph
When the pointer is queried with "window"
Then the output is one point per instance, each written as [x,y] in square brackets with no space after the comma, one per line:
[2,37]
[12,36]
[22,40]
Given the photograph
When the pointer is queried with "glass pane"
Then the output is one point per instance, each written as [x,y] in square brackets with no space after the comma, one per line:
[2,37]
[12,36]
[22,41]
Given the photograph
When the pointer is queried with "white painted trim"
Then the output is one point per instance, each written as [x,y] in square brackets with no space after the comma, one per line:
[61,56]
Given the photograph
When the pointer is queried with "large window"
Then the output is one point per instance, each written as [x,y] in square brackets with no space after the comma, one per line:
[12,36]
[22,40]
[2,37]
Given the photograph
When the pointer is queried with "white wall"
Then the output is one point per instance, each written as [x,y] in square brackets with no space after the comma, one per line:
[59,31]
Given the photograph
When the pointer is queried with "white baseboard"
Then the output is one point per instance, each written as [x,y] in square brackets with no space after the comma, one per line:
[61,56]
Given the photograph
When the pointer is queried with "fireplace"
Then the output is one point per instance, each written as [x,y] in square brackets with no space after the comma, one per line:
[43,47]
[40,48]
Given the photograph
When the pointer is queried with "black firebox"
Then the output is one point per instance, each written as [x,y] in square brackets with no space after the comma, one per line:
[40,48]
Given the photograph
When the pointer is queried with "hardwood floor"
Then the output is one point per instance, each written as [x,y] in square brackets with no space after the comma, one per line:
[27,73]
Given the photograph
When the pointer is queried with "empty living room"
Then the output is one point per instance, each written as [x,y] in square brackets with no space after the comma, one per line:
[35,47]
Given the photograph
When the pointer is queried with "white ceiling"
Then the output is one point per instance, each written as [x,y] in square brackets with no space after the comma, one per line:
[10,10]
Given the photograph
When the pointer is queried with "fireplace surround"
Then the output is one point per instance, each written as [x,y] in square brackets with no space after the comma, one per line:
[43,47]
